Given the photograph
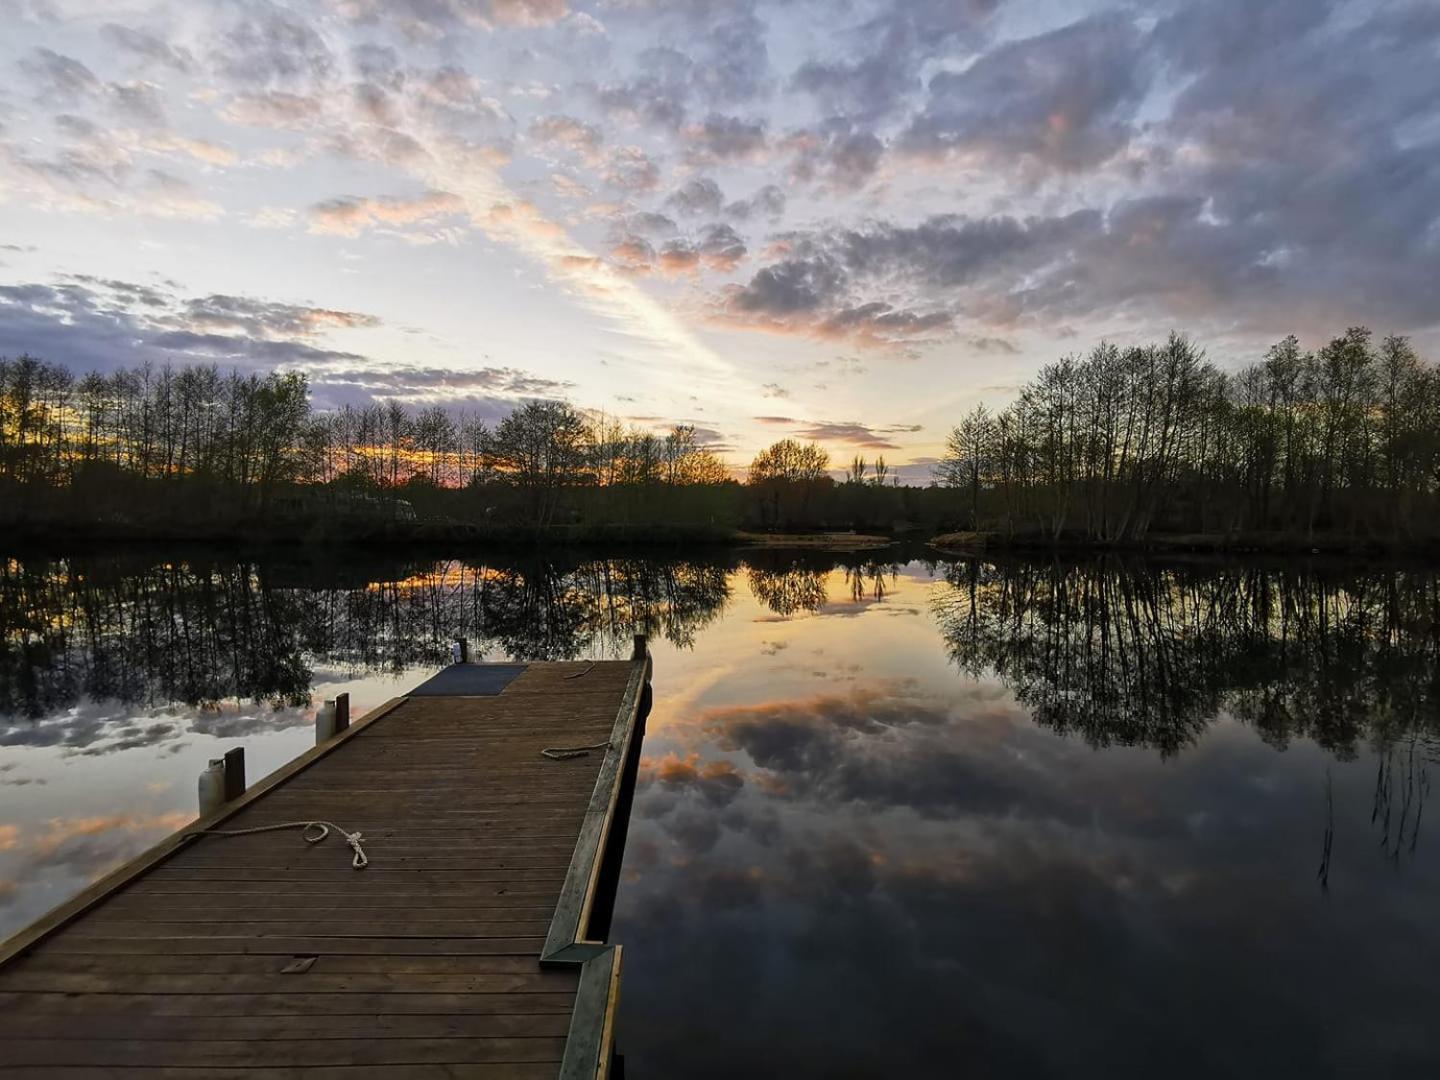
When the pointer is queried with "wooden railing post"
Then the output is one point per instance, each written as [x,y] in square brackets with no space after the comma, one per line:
[342,712]
[640,645]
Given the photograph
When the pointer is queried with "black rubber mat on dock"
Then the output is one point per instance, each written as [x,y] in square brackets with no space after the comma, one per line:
[469,680]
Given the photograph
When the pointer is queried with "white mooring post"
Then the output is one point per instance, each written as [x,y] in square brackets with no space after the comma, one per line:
[325,721]
[212,787]
[222,781]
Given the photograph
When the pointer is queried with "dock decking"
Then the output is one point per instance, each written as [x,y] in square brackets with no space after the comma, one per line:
[472,944]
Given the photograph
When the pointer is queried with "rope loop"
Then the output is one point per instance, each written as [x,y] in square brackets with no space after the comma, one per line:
[565,753]
[309,834]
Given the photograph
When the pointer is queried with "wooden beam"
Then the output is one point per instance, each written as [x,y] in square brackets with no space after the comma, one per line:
[591,1042]
[572,913]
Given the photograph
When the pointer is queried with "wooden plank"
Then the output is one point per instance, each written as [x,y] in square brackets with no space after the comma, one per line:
[589,1046]
[255,963]
[285,1004]
[343,890]
[414,1071]
[335,1026]
[310,982]
[281,944]
[217,907]
[301,1053]
[315,927]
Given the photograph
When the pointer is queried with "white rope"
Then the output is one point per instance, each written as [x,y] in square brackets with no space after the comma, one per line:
[359,862]
[564,753]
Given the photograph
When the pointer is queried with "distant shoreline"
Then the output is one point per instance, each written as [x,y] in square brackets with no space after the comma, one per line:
[660,537]
[973,543]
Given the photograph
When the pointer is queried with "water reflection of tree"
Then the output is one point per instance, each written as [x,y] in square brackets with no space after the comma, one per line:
[870,580]
[789,590]
[789,583]
[138,630]
[1149,655]
[548,610]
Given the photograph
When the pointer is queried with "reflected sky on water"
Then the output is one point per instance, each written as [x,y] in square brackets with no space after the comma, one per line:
[1023,817]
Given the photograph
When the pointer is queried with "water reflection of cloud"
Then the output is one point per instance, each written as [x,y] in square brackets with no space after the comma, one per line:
[94,728]
[80,847]
[1010,913]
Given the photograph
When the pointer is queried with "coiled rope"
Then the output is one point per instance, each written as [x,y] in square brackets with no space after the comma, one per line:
[359,862]
[564,753]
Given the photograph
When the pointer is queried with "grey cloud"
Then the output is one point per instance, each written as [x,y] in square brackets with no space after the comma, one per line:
[428,19]
[658,96]
[726,138]
[939,253]
[263,318]
[630,169]
[1063,100]
[721,247]
[698,195]
[98,324]
[853,433]
[147,47]
[55,77]
[735,59]
[841,158]
[267,47]
[425,381]
[650,224]
[232,349]
[141,102]
[892,45]
[820,292]
[768,202]
[378,64]
[866,88]
[376,104]
[791,286]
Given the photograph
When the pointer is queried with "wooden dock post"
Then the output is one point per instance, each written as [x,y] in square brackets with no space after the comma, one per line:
[332,718]
[234,773]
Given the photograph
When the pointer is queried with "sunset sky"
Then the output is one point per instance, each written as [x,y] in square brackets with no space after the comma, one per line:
[847,220]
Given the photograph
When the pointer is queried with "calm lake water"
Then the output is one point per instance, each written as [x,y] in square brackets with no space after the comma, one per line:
[1003,818]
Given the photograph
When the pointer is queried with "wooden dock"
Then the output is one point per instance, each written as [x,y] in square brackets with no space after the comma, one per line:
[473,944]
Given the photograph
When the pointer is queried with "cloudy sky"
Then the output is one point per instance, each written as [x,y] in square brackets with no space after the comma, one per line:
[843,219]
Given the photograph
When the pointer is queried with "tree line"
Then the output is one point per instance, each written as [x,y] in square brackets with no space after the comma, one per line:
[209,442]
[1123,442]
[1112,447]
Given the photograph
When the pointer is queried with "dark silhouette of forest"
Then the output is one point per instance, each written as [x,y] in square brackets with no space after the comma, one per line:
[1123,443]
[1116,448]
